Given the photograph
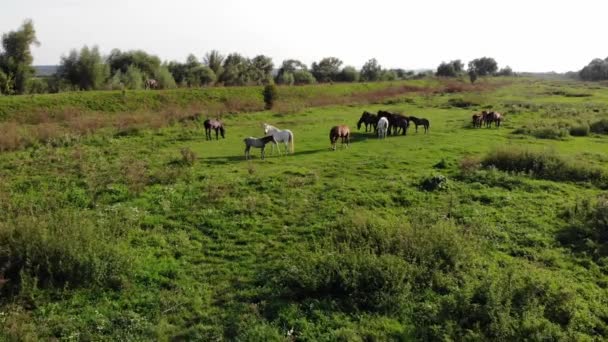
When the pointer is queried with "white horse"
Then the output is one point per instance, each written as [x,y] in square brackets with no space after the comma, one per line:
[280,135]
[382,127]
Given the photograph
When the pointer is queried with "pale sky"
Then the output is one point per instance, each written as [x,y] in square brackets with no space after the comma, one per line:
[528,35]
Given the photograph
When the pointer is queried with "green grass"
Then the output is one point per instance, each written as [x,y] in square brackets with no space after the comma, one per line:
[171,237]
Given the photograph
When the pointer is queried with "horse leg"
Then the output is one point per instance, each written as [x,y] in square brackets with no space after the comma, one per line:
[217,131]
[246,152]
[263,148]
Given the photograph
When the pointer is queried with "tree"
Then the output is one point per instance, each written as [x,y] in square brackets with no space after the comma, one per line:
[214,60]
[483,66]
[303,77]
[328,69]
[506,71]
[596,70]
[235,70]
[287,72]
[16,60]
[371,71]
[472,76]
[85,70]
[261,69]
[349,74]
[146,63]
[164,78]
[452,69]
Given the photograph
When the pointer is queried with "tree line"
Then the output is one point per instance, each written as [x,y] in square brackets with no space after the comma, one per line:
[479,67]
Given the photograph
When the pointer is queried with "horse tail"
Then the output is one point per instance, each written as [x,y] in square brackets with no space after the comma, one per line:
[291,141]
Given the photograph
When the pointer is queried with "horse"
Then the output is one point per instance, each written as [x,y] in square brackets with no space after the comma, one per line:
[382,127]
[400,122]
[486,118]
[496,118]
[336,132]
[477,120]
[389,117]
[151,84]
[420,122]
[280,135]
[218,126]
[368,119]
[257,142]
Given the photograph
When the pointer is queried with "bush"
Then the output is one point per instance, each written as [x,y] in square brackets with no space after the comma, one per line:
[581,130]
[588,229]
[435,182]
[57,250]
[303,77]
[543,165]
[270,95]
[550,131]
[600,127]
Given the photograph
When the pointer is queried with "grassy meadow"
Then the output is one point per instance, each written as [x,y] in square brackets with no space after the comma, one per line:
[145,231]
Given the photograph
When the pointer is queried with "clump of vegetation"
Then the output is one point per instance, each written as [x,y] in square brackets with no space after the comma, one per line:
[188,156]
[580,130]
[543,165]
[434,183]
[270,95]
[554,131]
[59,250]
[599,127]
[587,232]
[460,102]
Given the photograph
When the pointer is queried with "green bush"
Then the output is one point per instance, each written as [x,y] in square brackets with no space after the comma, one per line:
[434,182]
[543,165]
[270,95]
[58,250]
[580,130]
[554,131]
[600,127]
[588,229]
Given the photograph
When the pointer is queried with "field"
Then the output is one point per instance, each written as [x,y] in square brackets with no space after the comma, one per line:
[154,233]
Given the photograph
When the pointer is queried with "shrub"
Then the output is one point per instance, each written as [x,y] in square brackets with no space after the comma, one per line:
[303,77]
[600,127]
[543,165]
[188,156]
[588,229]
[581,130]
[548,131]
[59,249]
[435,182]
[270,95]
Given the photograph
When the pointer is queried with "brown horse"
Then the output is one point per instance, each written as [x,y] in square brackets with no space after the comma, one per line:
[216,125]
[496,118]
[151,84]
[336,132]
[477,120]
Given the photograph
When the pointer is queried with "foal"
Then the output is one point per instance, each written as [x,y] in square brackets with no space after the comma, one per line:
[336,132]
[259,143]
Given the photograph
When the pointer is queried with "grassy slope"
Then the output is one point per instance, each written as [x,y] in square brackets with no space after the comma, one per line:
[200,241]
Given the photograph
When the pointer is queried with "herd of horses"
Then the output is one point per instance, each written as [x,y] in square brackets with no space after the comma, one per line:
[486,118]
[383,123]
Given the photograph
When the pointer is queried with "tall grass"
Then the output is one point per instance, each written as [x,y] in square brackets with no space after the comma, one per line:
[545,165]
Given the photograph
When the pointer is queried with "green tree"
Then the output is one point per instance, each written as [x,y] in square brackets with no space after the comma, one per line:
[133,78]
[270,95]
[146,63]
[328,69]
[214,60]
[483,66]
[16,58]
[349,74]
[164,78]
[85,69]
[261,69]
[371,71]
[452,69]
[235,70]
[286,73]
[303,77]
[596,70]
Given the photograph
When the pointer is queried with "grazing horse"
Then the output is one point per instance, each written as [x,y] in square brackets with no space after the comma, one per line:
[486,118]
[280,135]
[420,122]
[400,122]
[218,126]
[257,142]
[368,119]
[336,132]
[496,118]
[151,84]
[477,120]
[382,127]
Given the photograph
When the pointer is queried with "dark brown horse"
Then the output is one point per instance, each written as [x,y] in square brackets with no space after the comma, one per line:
[477,120]
[420,122]
[336,132]
[216,125]
[496,118]
[368,119]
